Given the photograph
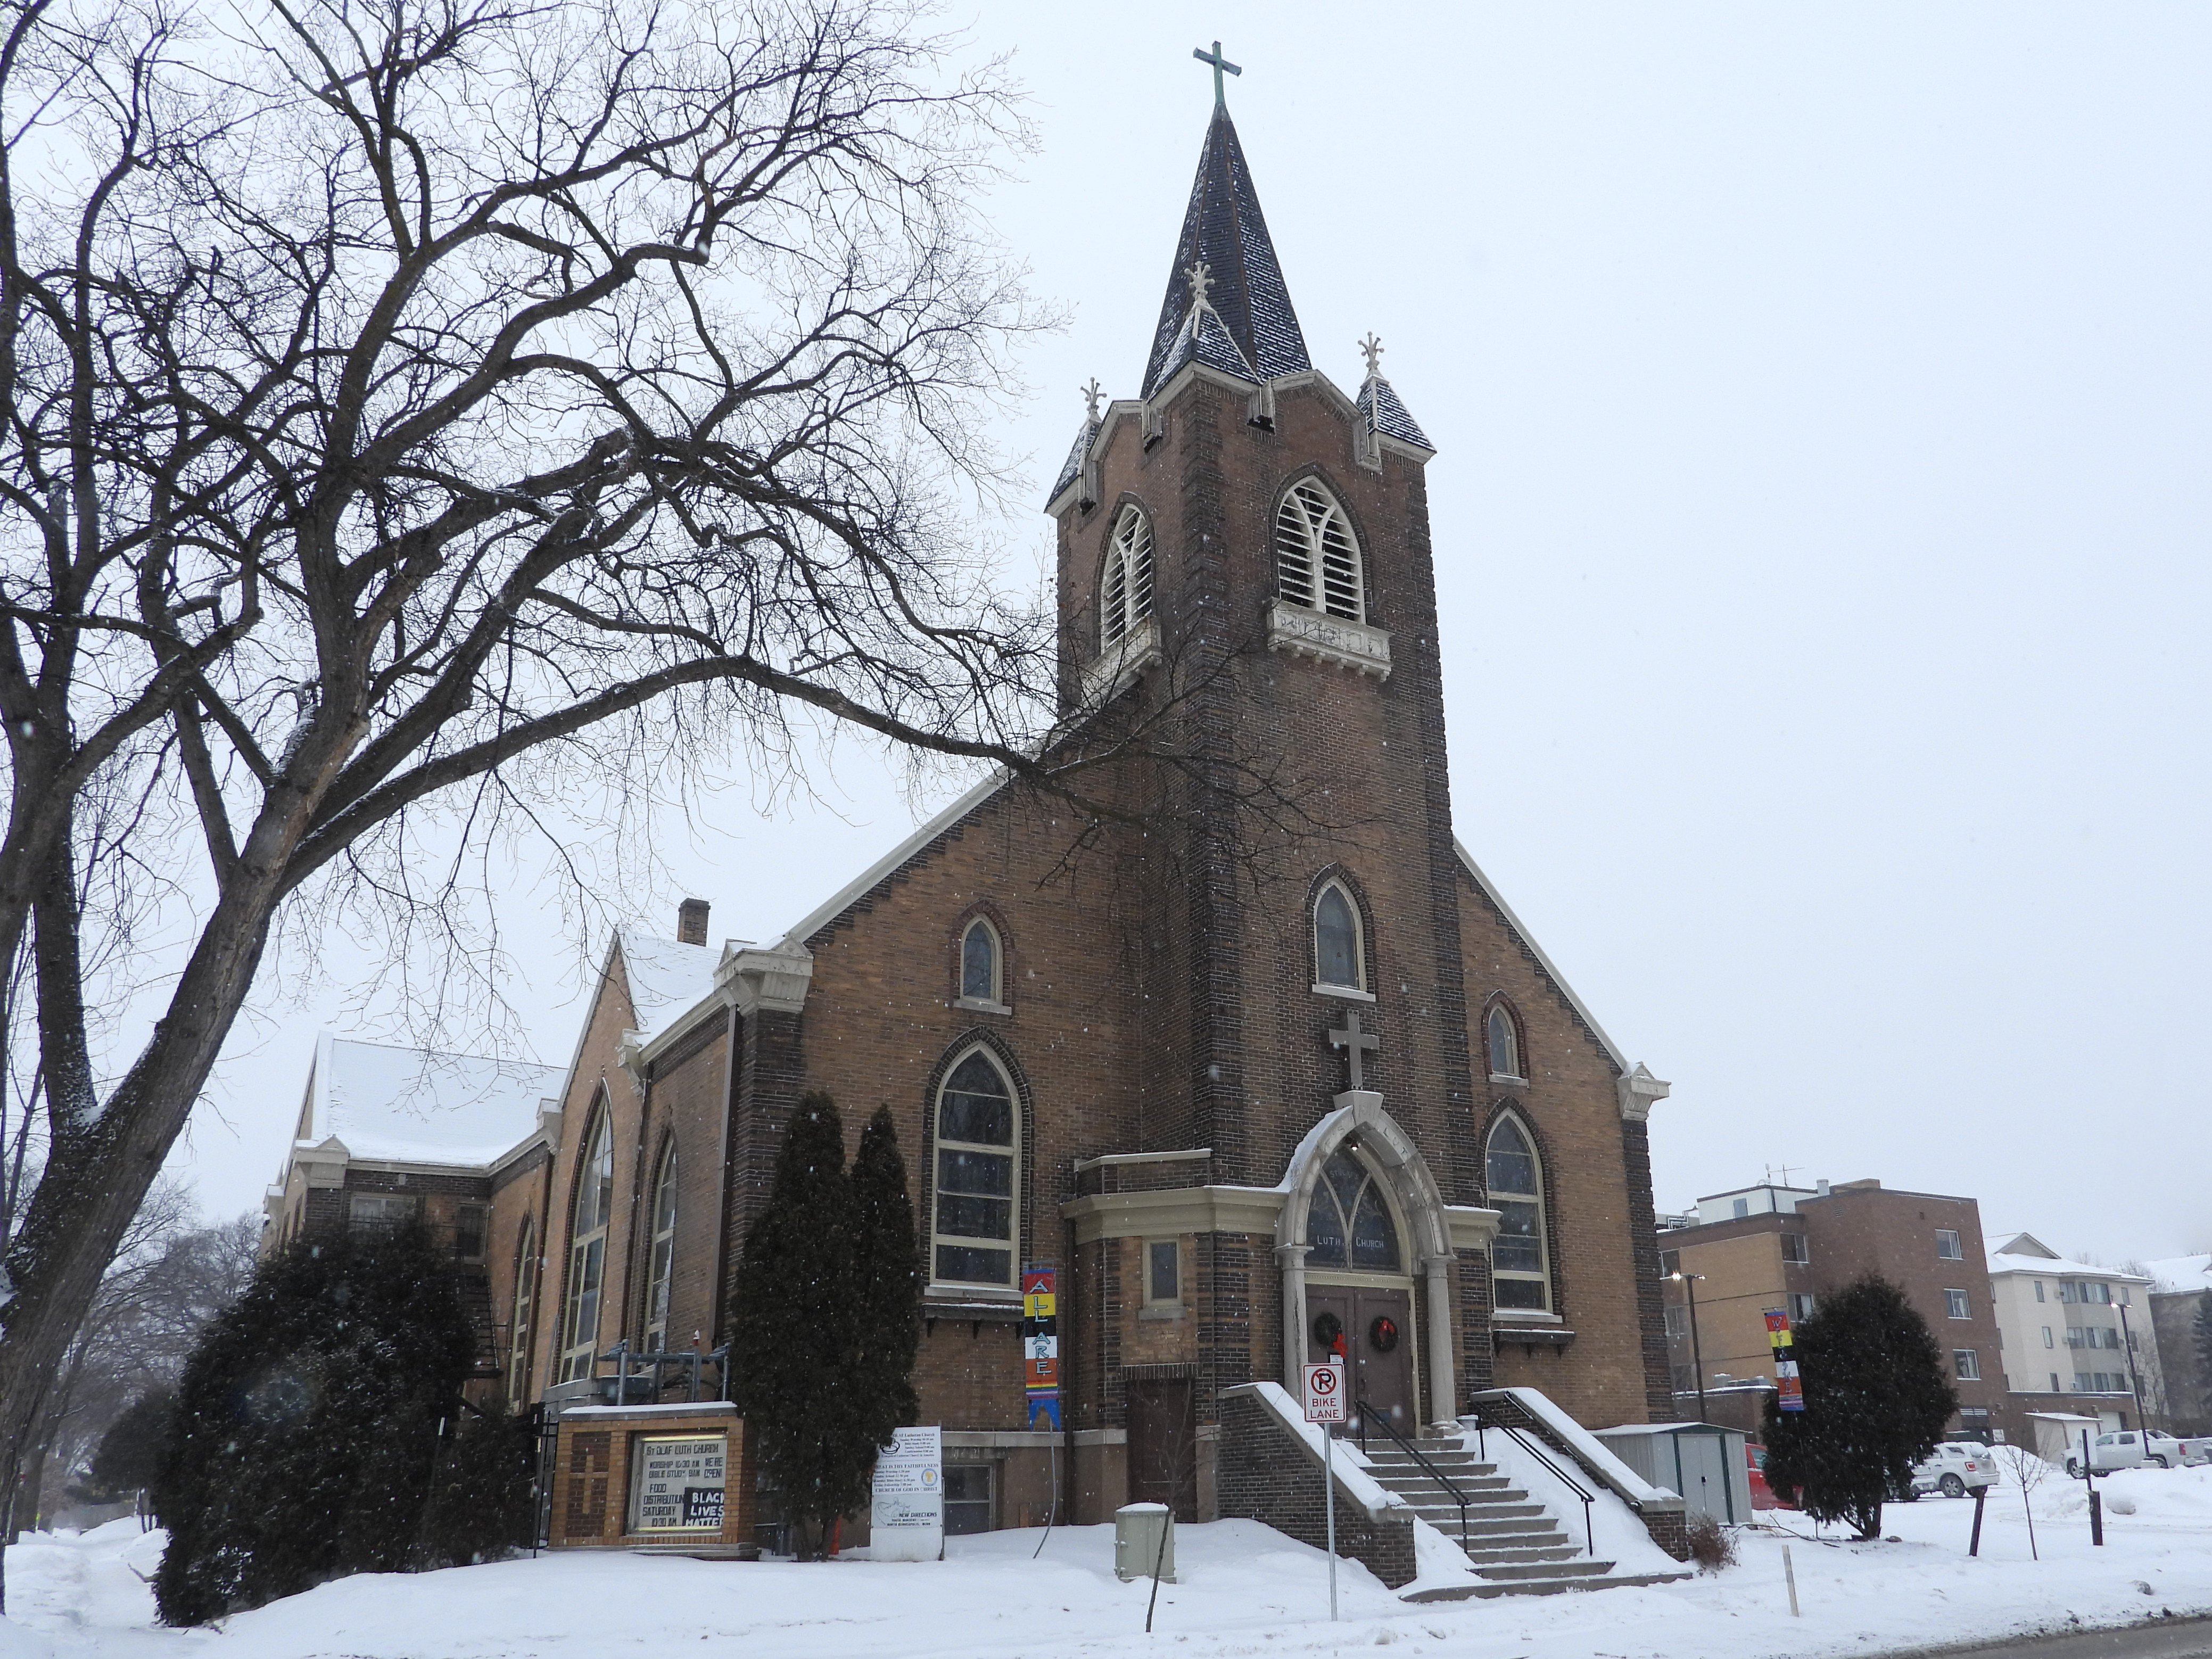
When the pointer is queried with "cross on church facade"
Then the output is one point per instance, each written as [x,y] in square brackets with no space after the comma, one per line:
[1221,66]
[1360,1043]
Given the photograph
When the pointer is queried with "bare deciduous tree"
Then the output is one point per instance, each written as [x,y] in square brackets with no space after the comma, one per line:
[418,406]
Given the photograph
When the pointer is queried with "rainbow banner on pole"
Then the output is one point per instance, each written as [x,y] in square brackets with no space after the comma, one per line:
[1040,1344]
[1789,1391]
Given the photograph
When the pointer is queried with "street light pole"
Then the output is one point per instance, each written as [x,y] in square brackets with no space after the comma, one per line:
[2135,1380]
[1697,1358]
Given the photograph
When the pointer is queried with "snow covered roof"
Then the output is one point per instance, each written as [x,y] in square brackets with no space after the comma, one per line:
[1378,403]
[2040,1259]
[667,980]
[2181,1273]
[419,1106]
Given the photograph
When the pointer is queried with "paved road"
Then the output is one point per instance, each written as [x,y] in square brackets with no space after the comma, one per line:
[2170,1638]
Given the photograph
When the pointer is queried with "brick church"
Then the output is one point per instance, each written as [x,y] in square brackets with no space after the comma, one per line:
[1247,1093]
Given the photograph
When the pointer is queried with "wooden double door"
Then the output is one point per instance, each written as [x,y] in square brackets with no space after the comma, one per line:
[1376,1326]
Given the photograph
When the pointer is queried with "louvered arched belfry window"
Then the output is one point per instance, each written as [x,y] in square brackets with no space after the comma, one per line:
[1317,557]
[1125,586]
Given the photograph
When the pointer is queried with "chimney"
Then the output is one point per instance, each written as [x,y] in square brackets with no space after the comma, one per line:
[691,923]
[1821,1185]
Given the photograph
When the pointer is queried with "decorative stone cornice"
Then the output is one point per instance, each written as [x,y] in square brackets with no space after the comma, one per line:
[1639,1089]
[1107,674]
[753,980]
[1174,1209]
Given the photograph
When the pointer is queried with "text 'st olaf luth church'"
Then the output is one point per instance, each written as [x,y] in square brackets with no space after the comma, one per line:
[1246,1095]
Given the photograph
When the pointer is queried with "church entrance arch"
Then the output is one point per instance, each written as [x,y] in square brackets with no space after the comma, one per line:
[1363,1220]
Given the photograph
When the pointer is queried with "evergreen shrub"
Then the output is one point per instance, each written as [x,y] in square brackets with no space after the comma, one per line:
[1877,1398]
[306,1426]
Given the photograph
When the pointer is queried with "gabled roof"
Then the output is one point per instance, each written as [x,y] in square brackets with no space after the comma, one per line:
[1489,892]
[2040,1258]
[665,979]
[419,1106]
[1224,229]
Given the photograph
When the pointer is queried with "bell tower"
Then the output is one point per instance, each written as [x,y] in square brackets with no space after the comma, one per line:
[1244,559]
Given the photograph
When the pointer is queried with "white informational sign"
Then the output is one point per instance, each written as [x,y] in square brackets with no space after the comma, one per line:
[677,1483]
[906,1520]
[1325,1392]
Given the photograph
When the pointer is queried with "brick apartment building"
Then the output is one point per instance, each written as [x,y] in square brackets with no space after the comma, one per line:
[1241,1092]
[1759,1247]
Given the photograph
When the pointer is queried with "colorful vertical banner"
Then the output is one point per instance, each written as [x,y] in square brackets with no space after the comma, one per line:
[1789,1391]
[1041,1345]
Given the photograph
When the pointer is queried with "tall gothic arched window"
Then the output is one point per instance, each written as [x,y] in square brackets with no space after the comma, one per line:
[587,1251]
[1125,584]
[1348,1223]
[662,1274]
[1504,1042]
[1317,557]
[525,1315]
[974,1233]
[979,977]
[1520,1267]
[1338,961]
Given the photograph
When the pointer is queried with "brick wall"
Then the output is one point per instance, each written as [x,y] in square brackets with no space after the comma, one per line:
[1266,1474]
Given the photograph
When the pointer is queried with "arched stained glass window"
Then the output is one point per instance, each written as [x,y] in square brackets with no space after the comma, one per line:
[1504,1044]
[1519,1272]
[1317,559]
[662,1274]
[1125,584]
[1348,1222]
[974,1238]
[979,963]
[1338,959]
[587,1251]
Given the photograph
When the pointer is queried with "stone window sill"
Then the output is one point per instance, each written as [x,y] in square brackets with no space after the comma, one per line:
[1523,1317]
[1506,1080]
[1165,1310]
[1350,993]
[977,1004]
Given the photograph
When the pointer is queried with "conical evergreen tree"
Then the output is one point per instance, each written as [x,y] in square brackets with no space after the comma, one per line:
[131,1451]
[1877,1398]
[795,1319]
[305,1429]
[890,1269]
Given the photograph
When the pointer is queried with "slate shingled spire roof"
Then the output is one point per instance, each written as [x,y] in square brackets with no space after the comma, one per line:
[1379,405]
[1224,229]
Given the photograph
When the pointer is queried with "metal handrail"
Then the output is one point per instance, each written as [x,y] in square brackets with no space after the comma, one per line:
[1482,1422]
[1435,1473]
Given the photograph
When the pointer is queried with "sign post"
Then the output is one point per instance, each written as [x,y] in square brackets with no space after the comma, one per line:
[1325,1405]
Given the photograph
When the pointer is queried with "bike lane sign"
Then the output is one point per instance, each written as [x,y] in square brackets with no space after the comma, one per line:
[1325,1392]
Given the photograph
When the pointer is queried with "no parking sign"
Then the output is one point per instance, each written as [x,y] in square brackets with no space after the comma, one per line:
[1325,1392]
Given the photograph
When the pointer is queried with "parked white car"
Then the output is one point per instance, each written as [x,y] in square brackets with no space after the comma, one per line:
[2125,1449]
[1954,1468]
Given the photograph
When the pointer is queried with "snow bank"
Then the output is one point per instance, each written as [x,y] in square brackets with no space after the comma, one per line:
[1246,1591]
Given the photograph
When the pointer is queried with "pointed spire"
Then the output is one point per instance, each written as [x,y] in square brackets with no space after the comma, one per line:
[1380,412]
[1245,304]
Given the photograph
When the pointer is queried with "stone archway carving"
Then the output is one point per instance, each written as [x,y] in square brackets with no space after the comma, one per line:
[1434,1229]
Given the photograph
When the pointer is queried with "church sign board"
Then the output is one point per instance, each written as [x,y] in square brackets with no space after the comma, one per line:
[674,1477]
[906,1518]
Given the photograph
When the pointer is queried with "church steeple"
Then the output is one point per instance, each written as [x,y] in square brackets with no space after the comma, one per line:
[1245,302]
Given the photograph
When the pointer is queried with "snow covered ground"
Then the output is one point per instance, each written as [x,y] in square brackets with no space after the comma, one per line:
[1246,1591]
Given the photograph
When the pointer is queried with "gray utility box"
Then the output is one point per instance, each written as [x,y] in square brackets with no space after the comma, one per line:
[1702,1462]
[1144,1537]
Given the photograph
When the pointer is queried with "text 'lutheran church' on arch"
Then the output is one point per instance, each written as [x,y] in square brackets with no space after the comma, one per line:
[1252,1094]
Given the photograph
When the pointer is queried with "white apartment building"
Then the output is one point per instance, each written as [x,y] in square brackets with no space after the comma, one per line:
[2075,1338]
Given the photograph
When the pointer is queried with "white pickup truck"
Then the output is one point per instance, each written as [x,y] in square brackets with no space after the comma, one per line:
[2126,1448]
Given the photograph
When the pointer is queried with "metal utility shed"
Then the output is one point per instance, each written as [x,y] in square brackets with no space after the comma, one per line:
[1702,1462]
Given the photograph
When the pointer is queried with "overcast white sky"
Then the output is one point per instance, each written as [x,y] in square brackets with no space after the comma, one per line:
[1822,519]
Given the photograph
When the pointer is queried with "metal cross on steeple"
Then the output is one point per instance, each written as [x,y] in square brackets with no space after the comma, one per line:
[1359,1041]
[1372,347]
[1221,66]
[1090,401]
